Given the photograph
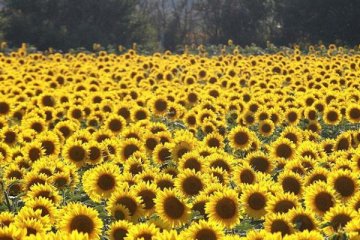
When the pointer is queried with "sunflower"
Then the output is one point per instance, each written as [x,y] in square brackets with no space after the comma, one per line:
[278,223]
[171,209]
[303,220]
[308,149]
[164,181]
[260,162]
[244,174]
[353,113]
[82,135]
[12,232]
[190,119]
[204,114]
[181,146]
[66,128]
[317,174]
[150,141]
[32,178]
[354,202]
[292,133]
[31,226]
[4,152]
[214,140]
[147,192]
[119,212]
[60,235]
[352,228]
[193,161]
[344,182]
[343,142]
[46,207]
[292,116]
[47,100]
[328,145]
[135,166]
[198,206]
[282,203]
[266,128]
[165,137]
[314,126]
[190,183]
[139,113]
[311,113]
[204,230]
[319,197]
[75,153]
[9,135]
[283,149]
[13,171]
[175,111]
[43,190]
[27,213]
[5,107]
[95,152]
[118,230]
[75,112]
[102,135]
[148,175]
[332,116]
[61,180]
[208,126]
[224,208]
[159,105]
[78,217]
[14,188]
[101,181]
[162,153]
[142,231]
[115,123]
[6,219]
[291,182]
[168,235]
[128,147]
[220,160]
[27,136]
[338,217]
[36,124]
[33,151]
[124,110]
[50,143]
[127,199]
[240,138]
[255,199]
[219,175]
[295,166]
[262,234]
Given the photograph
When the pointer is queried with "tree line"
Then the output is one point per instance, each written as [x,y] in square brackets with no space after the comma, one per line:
[168,24]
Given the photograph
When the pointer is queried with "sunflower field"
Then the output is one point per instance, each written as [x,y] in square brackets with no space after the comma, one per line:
[190,146]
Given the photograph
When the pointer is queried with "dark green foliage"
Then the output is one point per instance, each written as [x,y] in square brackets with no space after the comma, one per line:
[314,20]
[65,24]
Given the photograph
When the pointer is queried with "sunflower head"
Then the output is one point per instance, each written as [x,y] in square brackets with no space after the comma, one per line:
[223,208]
[171,208]
[80,218]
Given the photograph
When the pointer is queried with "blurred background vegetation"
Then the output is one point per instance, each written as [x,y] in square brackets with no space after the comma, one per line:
[158,25]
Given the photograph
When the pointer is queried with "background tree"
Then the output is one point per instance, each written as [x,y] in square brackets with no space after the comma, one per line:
[244,21]
[169,24]
[68,24]
[311,21]
[172,20]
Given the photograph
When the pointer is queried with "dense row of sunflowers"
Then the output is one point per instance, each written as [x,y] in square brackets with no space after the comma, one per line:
[179,146]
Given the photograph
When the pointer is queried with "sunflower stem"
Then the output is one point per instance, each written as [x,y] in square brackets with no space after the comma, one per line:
[7,201]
